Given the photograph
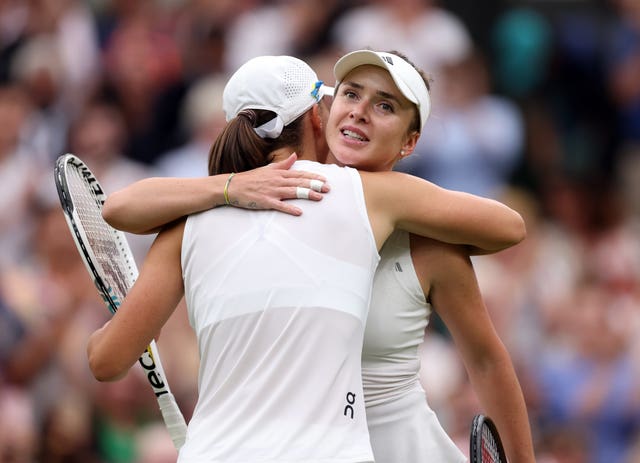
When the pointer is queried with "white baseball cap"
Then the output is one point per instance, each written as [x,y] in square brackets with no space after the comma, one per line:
[282,84]
[407,78]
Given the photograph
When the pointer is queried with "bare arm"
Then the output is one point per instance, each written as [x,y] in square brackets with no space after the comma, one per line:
[146,205]
[397,200]
[115,347]
[456,297]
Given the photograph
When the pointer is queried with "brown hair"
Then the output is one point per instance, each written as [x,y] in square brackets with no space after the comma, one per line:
[239,148]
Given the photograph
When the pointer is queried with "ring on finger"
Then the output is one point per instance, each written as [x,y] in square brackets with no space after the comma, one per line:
[302,193]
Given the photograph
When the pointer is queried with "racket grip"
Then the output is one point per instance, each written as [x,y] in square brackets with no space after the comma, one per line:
[173,419]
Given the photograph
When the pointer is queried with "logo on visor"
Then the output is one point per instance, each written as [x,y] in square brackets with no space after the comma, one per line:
[388,60]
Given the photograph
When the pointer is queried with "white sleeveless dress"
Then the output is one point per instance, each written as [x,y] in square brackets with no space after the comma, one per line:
[278,304]
[402,426]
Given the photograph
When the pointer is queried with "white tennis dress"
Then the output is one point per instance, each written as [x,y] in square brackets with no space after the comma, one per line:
[402,426]
[278,304]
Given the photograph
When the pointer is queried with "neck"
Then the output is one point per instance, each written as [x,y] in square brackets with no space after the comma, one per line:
[283,153]
[310,150]
[331,159]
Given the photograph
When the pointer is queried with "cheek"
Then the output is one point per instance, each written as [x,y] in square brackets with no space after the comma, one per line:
[332,126]
[393,136]
[334,115]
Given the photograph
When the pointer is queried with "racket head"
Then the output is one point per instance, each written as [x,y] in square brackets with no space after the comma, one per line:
[104,250]
[111,265]
[485,445]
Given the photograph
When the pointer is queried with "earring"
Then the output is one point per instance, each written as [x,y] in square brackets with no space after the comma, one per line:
[401,152]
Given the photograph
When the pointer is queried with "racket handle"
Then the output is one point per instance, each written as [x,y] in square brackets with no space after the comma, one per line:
[173,419]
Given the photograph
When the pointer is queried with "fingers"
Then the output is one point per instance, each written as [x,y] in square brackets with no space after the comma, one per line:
[285,163]
[270,188]
[287,208]
[302,193]
[316,185]
[298,174]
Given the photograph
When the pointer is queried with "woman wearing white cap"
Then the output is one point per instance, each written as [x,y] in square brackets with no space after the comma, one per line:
[398,112]
[433,276]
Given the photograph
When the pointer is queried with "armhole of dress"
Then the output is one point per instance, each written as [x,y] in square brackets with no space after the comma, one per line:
[415,280]
[186,238]
[187,242]
[362,209]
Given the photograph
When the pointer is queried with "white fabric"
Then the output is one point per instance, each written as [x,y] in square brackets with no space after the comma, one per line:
[284,85]
[270,129]
[402,426]
[278,304]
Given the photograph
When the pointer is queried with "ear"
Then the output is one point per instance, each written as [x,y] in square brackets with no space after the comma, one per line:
[409,144]
[316,121]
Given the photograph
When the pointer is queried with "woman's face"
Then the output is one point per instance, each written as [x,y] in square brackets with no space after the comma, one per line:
[369,121]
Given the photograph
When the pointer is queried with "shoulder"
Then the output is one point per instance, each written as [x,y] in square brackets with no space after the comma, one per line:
[393,179]
[374,182]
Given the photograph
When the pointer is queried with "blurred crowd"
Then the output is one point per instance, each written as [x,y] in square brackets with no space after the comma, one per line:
[535,103]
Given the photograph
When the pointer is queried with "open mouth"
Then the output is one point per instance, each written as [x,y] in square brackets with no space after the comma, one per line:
[353,135]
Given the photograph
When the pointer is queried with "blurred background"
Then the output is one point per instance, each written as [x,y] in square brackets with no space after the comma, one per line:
[536,103]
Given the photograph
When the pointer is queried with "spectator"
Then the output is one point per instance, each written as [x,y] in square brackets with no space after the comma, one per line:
[423,29]
[475,139]
[203,119]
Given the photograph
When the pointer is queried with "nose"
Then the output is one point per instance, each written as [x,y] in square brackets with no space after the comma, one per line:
[358,112]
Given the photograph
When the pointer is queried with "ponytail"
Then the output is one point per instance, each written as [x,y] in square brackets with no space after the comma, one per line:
[239,148]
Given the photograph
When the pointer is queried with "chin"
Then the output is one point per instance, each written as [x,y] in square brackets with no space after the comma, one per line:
[345,160]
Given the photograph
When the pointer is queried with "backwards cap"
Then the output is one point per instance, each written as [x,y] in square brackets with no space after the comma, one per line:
[406,77]
[284,85]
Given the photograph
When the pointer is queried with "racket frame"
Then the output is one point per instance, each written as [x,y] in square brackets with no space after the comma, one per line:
[478,424]
[149,360]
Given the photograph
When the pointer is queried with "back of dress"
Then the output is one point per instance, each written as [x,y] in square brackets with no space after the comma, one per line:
[279,304]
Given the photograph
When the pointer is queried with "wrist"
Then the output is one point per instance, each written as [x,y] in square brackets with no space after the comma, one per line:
[214,187]
[227,200]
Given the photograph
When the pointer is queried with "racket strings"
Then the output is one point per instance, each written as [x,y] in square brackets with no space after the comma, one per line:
[489,446]
[102,237]
[107,256]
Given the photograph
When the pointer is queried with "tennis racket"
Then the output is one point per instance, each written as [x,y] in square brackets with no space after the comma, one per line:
[110,263]
[485,444]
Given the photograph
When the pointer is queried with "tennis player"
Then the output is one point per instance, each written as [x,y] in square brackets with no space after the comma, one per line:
[415,276]
[399,99]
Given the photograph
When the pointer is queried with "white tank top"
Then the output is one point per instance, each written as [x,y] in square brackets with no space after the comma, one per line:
[278,304]
[402,426]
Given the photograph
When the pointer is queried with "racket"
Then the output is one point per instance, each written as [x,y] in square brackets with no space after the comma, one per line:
[485,444]
[110,263]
